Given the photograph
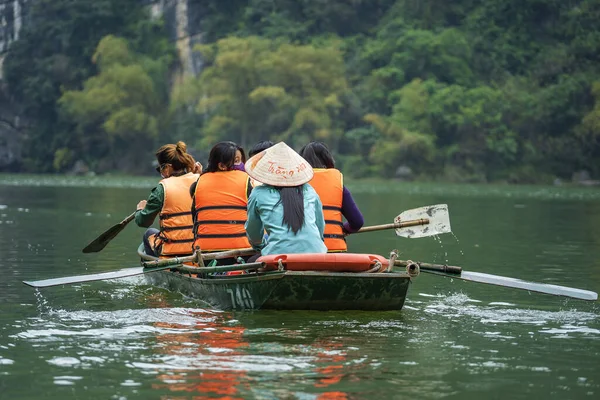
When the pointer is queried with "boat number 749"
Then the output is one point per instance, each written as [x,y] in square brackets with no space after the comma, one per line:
[240,298]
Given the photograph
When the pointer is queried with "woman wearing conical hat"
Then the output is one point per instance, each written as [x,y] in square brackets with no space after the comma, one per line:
[284,206]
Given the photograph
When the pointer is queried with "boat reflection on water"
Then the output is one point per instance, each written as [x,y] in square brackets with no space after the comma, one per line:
[201,359]
[203,353]
[334,356]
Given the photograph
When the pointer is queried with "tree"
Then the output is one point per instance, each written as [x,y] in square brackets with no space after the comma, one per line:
[254,88]
[119,105]
[54,53]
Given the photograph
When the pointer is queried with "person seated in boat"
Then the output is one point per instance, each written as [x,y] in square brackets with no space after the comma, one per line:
[284,206]
[220,197]
[240,158]
[170,200]
[257,148]
[260,146]
[337,200]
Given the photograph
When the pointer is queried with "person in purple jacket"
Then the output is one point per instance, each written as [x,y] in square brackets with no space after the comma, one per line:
[337,200]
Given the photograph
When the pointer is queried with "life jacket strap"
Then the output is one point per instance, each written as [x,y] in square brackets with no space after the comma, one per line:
[219,236]
[333,236]
[177,228]
[221,208]
[172,215]
[220,222]
[167,240]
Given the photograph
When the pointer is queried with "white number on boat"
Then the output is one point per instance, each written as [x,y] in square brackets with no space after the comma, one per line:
[240,298]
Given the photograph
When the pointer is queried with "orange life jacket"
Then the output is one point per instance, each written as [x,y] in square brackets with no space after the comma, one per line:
[220,202]
[329,185]
[176,234]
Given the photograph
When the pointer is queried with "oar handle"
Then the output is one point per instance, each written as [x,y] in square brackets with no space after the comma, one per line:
[129,218]
[194,257]
[395,225]
[449,269]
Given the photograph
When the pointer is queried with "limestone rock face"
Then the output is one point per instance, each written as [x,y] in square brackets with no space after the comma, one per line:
[10,148]
[183,21]
[11,20]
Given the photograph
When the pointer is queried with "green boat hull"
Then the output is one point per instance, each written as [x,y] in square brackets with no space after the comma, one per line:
[290,290]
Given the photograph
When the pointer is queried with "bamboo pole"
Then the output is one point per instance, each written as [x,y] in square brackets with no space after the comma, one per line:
[221,268]
[193,258]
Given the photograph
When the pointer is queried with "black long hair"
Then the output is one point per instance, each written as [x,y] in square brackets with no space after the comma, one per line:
[292,198]
[318,156]
[260,146]
[222,152]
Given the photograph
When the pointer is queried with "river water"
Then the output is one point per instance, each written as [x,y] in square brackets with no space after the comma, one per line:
[124,339]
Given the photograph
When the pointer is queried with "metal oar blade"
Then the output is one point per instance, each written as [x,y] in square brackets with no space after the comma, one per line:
[68,280]
[515,283]
[439,221]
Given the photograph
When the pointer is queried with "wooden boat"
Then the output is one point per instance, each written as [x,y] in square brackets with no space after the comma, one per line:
[296,282]
[283,289]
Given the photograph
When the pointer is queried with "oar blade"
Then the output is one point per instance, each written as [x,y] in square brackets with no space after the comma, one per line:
[67,280]
[439,221]
[515,283]
[101,241]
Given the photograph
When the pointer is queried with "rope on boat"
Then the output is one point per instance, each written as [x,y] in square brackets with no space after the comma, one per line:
[377,267]
[393,256]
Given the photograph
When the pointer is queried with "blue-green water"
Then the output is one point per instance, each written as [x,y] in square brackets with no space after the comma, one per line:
[453,339]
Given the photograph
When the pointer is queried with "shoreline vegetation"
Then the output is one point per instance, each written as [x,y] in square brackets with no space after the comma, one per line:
[491,91]
[567,191]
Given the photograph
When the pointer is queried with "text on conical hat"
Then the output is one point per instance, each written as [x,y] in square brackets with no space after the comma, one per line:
[276,169]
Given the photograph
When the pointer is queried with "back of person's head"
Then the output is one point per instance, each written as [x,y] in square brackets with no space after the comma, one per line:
[176,155]
[260,146]
[318,156]
[287,172]
[222,153]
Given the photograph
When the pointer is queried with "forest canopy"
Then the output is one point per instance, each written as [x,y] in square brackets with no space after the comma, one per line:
[464,90]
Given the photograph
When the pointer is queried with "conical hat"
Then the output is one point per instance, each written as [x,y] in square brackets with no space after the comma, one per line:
[279,165]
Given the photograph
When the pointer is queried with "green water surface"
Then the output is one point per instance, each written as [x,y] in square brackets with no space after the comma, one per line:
[126,340]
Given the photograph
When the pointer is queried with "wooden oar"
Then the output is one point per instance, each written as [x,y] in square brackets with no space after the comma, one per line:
[126,272]
[459,273]
[418,222]
[101,241]
[415,223]
[407,228]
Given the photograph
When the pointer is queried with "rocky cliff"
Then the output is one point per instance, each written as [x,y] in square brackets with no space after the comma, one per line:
[183,22]
[11,20]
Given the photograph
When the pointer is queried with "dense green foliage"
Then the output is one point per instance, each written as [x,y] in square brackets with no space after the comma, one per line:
[463,90]
[255,88]
[54,53]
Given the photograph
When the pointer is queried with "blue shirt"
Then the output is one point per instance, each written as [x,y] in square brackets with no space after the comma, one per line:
[265,215]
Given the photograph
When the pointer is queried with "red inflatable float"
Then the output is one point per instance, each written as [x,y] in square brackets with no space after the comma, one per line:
[332,262]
